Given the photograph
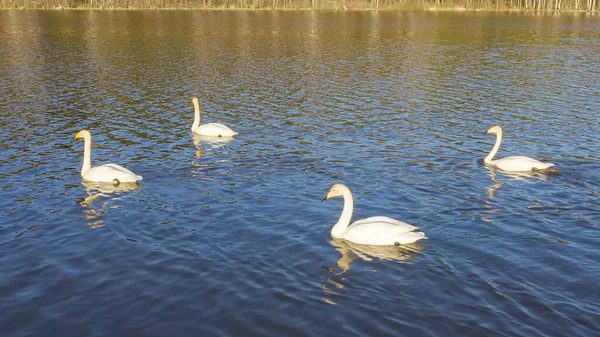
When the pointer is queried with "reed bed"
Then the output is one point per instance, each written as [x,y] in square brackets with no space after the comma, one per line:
[436,5]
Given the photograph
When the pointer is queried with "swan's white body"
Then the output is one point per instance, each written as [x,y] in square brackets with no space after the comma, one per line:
[209,129]
[512,164]
[108,173]
[377,230]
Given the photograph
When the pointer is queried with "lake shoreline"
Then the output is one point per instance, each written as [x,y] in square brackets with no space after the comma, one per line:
[301,9]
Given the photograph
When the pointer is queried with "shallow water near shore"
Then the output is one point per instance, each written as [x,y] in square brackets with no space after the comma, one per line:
[229,238]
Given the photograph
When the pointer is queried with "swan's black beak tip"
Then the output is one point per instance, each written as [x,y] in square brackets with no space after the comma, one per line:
[323,199]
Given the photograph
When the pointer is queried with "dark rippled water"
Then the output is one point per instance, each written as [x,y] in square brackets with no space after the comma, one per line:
[225,239]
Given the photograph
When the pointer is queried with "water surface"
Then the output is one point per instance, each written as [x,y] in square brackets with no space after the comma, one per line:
[229,238]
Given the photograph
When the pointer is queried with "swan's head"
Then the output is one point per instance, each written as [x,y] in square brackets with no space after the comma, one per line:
[335,191]
[83,134]
[196,103]
[494,130]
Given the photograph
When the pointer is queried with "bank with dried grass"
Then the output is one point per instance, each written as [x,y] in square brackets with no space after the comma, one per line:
[458,5]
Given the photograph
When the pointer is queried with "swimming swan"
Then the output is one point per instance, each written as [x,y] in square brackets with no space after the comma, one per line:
[209,129]
[377,230]
[516,163]
[108,173]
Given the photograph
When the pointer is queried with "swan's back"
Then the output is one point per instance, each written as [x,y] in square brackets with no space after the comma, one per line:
[107,173]
[214,130]
[520,164]
[381,230]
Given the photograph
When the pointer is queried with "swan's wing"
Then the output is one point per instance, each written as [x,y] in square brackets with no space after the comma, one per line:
[215,130]
[120,169]
[380,230]
[400,226]
[520,164]
[109,172]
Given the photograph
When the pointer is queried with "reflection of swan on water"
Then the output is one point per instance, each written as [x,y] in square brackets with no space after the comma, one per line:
[209,129]
[523,176]
[105,190]
[214,142]
[198,146]
[205,145]
[492,189]
[97,190]
[515,163]
[377,230]
[350,251]
[107,173]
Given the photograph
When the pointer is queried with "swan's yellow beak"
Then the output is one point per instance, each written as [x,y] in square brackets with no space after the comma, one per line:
[328,196]
[78,135]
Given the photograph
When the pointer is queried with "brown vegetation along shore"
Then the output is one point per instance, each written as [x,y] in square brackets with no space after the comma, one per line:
[457,5]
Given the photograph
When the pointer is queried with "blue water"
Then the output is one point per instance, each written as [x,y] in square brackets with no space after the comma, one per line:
[230,238]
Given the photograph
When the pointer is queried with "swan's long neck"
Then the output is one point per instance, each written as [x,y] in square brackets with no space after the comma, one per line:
[87,154]
[488,159]
[346,216]
[196,115]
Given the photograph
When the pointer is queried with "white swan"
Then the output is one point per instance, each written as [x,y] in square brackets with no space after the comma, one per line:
[209,129]
[377,230]
[516,163]
[108,173]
